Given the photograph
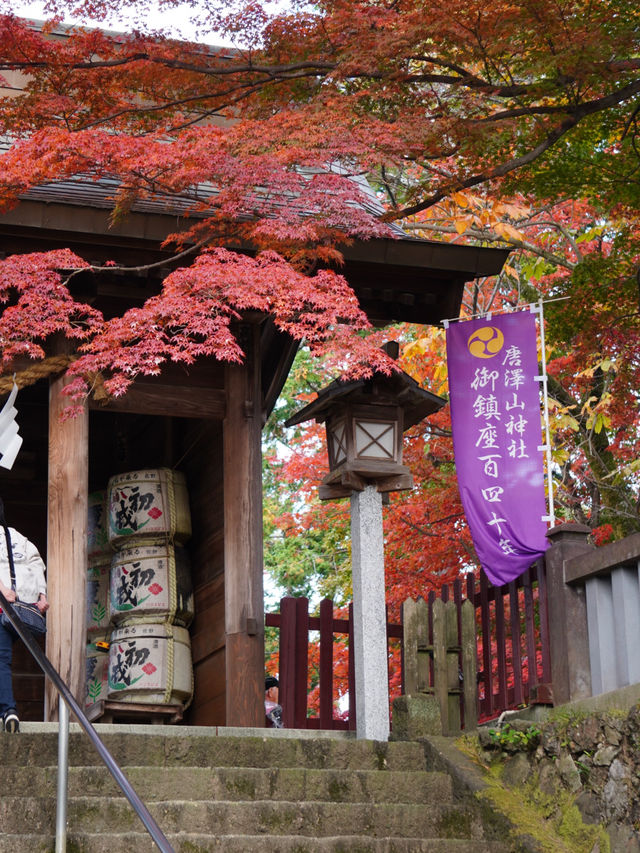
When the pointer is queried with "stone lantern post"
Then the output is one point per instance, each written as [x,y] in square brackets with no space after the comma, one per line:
[365,420]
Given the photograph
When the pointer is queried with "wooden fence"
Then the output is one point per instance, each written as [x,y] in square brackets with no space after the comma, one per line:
[295,623]
[514,662]
[610,577]
[440,657]
[512,648]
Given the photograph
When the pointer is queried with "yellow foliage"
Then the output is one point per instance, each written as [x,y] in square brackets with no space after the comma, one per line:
[460,199]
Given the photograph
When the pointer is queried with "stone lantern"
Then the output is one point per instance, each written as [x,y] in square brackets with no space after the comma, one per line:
[365,420]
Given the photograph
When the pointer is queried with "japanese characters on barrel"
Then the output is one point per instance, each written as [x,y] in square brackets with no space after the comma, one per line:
[140,597]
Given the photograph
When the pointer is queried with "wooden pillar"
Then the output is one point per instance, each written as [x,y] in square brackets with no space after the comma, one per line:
[568,633]
[244,598]
[67,546]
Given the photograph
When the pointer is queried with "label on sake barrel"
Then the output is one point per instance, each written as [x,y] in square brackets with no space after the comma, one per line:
[98,526]
[150,663]
[148,503]
[98,577]
[96,676]
[151,583]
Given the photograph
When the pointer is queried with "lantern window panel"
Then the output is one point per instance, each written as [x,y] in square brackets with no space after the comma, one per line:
[338,439]
[375,439]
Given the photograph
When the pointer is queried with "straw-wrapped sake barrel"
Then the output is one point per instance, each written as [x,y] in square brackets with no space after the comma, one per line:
[98,617]
[152,503]
[97,675]
[150,664]
[151,583]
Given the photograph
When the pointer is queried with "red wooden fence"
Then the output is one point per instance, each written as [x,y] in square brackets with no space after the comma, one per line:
[295,623]
[513,647]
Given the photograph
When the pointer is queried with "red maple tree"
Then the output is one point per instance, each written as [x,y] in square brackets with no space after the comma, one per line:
[261,144]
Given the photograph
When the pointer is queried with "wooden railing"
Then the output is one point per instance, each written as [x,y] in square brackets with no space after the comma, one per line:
[512,636]
[514,664]
[610,576]
[440,658]
[295,623]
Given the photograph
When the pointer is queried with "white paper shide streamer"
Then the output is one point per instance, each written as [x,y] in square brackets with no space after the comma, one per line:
[10,441]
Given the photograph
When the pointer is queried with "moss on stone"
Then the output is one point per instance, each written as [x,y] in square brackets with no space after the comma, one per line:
[337,789]
[190,847]
[551,821]
[455,823]
[242,787]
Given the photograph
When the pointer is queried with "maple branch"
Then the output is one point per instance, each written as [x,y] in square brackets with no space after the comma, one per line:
[491,237]
[33,64]
[467,79]
[317,68]
[249,89]
[551,223]
[141,267]
[422,530]
[575,116]
[268,71]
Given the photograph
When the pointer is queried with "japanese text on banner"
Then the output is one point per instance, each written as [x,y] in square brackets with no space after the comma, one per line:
[495,415]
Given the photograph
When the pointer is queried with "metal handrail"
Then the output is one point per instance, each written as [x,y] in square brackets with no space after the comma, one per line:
[112,766]
[63,776]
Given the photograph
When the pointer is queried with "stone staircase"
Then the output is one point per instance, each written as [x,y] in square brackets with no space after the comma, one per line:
[219,789]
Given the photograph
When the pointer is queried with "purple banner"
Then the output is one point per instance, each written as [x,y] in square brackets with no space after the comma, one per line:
[495,415]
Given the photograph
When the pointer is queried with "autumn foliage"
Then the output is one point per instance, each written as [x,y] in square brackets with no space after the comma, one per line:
[493,123]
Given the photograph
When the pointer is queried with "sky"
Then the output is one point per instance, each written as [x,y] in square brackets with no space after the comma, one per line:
[176,21]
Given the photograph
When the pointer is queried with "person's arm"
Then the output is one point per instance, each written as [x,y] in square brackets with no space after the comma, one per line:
[36,564]
[9,594]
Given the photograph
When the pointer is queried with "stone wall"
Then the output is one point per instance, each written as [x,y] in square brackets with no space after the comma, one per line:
[593,756]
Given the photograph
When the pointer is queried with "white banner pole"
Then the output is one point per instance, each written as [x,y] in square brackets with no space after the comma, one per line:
[538,308]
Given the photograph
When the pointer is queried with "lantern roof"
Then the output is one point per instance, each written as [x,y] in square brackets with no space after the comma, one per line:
[396,389]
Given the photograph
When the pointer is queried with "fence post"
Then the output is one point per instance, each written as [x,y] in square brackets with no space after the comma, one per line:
[326,663]
[416,713]
[301,662]
[415,629]
[469,665]
[567,608]
[445,661]
[287,691]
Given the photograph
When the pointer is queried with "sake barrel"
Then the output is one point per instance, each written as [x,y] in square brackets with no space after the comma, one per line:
[98,527]
[151,582]
[97,675]
[151,503]
[150,664]
[98,616]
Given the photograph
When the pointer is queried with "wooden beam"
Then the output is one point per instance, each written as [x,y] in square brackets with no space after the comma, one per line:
[244,599]
[277,354]
[168,400]
[67,546]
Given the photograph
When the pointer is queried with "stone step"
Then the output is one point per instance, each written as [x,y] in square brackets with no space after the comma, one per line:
[238,783]
[200,748]
[194,843]
[311,819]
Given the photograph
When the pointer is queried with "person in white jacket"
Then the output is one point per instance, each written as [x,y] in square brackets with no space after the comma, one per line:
[31,587]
